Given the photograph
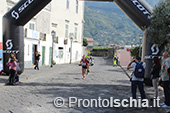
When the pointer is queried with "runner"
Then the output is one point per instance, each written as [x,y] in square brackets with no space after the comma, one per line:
[115,60]
[90,59]
[84,62]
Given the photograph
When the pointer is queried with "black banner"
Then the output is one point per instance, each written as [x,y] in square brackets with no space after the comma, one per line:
[137,11]
[13,33]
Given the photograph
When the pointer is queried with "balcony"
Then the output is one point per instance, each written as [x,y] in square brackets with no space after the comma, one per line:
[32,34]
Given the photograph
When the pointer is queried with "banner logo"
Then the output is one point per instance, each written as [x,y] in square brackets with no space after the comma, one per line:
[9,44]
[155,49]
[15,14]
[142,8]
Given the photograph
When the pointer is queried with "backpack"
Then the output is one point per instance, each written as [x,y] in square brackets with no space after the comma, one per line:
[168,71]
[18,68]
[139,70]
[115,58]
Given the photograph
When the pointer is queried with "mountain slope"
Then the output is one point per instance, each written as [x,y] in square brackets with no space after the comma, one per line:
[106,23]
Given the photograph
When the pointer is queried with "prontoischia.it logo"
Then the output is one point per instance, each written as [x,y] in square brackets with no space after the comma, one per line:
[15,13]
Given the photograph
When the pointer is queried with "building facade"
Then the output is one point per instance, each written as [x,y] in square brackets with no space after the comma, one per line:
[90,42]
[65,18]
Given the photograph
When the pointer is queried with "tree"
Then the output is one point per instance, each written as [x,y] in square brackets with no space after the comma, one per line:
[160,21]
[85,42]
[135,51]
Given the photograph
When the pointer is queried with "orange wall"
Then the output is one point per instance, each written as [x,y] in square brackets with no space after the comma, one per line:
[124,57]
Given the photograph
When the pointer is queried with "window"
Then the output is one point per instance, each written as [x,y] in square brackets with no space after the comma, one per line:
[48,7]
[31,26]
[77,6]
[54,25]
[75,34]
[67,5]
[42,36]
[28,50]
[60,52]
[25,32]
[66,31]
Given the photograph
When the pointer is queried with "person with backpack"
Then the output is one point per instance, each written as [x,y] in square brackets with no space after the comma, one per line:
[165,77]
[155,74]
[137,77]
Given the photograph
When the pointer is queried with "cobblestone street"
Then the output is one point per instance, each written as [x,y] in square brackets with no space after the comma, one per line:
[39,89]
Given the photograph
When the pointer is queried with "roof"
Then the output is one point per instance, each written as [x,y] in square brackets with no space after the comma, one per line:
[90,39]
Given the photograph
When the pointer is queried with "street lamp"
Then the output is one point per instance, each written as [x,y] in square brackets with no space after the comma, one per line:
[132,43]
[53,34]
[140,38]
[71,39]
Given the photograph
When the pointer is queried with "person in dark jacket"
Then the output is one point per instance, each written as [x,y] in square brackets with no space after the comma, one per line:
[155,74]
[37,58]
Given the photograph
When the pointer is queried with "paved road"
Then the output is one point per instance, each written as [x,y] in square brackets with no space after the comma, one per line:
[40,88]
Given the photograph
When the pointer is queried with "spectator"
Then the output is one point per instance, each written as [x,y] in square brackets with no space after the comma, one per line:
[137,77]
[166,80]
[12,63]
[155,75]
[18,69]
[37,58]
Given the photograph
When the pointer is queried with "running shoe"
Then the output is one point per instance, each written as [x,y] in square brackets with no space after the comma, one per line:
[165,106]
[161,104]
[18,82]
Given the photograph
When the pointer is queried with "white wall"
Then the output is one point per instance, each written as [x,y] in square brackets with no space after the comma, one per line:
[47,44]
[3,7]
[1,27]
[77,51]
[61,15]
[28,50]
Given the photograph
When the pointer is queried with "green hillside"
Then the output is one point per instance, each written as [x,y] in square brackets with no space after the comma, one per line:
[106,23]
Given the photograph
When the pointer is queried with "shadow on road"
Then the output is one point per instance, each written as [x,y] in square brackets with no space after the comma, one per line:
[86,91]
[115,70]
[108,61]
[4,80]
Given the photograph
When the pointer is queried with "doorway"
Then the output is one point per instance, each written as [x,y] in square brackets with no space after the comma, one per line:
[43,55]
[33,53]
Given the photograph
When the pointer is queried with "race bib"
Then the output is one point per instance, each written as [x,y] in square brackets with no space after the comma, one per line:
[83,64]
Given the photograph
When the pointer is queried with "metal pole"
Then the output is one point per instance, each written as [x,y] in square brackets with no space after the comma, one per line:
[71,52]
[52,51]
[140,48]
